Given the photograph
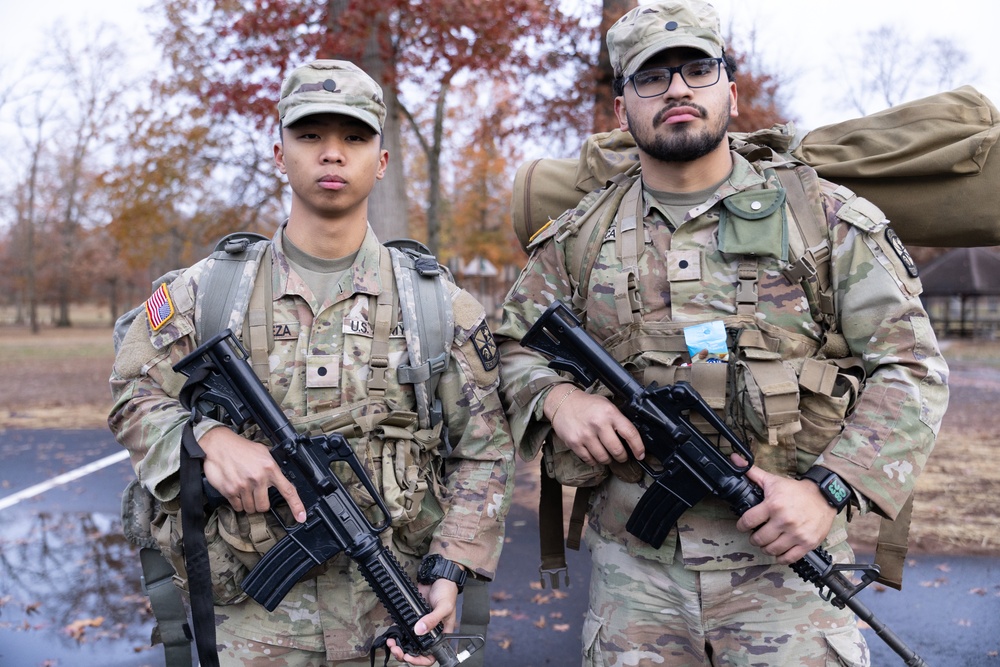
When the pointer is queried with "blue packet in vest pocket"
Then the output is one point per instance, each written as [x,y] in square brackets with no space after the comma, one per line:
[706,342]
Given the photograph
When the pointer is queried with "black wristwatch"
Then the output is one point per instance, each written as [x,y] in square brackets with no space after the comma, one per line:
[438,567]
[834,489]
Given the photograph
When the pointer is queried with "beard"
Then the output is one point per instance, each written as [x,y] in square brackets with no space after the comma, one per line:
[681,144]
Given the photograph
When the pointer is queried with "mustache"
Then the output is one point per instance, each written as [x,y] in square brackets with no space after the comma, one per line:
[661,115]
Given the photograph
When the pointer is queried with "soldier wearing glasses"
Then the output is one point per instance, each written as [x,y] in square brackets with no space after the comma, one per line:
[683,245]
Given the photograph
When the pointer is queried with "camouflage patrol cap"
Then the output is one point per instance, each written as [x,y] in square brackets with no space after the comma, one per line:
[649,29]
[331,86]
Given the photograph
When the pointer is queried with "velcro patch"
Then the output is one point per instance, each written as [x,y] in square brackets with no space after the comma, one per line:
[486,347]
[322,371]
[159,308]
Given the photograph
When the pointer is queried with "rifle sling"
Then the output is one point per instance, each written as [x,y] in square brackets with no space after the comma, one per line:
[193,522]
[550,533]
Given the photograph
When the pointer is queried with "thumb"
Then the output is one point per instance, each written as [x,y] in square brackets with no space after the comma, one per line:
[430,621]
[758,476]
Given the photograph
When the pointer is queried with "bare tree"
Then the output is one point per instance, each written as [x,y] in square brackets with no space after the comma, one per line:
[92,82]
[891,68]
[33,136]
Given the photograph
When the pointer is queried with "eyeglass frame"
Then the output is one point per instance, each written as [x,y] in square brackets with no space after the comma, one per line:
[719,62]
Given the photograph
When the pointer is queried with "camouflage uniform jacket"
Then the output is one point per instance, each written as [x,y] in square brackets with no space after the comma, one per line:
[878,441]
[314,335]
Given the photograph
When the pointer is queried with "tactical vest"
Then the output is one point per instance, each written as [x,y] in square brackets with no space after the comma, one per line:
[790,392]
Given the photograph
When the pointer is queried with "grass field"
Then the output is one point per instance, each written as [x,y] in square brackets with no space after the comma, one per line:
[59,379]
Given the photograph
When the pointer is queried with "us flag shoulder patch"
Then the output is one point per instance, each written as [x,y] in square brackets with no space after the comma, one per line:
[159,308]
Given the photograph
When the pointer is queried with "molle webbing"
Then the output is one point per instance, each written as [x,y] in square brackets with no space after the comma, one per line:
[629,244]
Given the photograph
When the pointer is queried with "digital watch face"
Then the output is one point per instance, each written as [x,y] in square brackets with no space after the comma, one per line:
[835,490]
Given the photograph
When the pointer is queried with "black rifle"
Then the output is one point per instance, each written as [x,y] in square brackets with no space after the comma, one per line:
[334,522]
[691,467]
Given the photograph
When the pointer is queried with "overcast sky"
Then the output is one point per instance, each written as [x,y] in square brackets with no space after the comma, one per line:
[809,41]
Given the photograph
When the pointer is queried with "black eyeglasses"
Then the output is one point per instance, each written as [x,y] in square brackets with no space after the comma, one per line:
[696,74]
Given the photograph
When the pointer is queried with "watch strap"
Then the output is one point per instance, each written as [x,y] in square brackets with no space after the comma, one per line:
[436,567]
[834,489]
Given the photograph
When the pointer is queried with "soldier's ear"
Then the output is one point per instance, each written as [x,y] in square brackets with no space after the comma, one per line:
[279,156]
[621,113]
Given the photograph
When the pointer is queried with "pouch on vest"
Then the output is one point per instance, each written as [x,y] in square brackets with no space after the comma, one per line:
[562,465]
[753,222]
[657,352]
[228,571]
[829,391]
[765,392]
[403,461]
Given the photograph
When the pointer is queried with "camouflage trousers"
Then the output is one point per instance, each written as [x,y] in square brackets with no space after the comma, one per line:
[646,613]
[327,621]
[238,652]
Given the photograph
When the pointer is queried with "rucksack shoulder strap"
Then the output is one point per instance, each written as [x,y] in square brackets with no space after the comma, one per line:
[227,286]
[419,283]
[589,229]
[811,267]
[258,325]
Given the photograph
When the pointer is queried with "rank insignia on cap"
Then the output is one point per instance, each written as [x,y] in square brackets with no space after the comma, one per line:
[159,308]
[486,347]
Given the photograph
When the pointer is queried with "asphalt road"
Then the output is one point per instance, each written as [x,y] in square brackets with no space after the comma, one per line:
[69,591]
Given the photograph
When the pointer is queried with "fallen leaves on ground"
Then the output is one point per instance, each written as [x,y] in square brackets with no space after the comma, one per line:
[78,628]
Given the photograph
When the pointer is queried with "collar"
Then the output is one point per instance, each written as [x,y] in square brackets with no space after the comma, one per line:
[363,277]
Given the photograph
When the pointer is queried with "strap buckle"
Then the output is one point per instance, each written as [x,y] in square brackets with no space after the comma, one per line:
[553,574]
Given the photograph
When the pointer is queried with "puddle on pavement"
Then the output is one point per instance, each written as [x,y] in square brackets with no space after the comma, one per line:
[70,594]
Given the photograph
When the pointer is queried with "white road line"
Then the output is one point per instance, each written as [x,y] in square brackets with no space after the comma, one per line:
[82,471]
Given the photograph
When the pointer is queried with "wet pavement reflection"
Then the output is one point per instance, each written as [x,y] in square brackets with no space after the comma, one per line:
[68,585]
[70,591]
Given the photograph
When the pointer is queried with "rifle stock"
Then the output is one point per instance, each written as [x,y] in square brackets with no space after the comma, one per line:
[220,375]
[691,467]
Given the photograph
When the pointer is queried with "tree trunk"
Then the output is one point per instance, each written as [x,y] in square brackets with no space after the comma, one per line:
[387,209]
[604,98]
[29,234]
[434,172]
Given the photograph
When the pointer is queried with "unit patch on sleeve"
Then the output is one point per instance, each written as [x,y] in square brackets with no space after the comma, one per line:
[159,308]
[486,347]
[902,252]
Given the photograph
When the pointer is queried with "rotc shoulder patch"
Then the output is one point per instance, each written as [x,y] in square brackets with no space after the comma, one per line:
[486,347]
[159,308]
[904,256]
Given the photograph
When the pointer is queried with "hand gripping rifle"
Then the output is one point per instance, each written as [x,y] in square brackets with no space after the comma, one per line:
[691,467]
[334,522]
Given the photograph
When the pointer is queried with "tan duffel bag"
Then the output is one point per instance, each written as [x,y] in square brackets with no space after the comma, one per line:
[927,164]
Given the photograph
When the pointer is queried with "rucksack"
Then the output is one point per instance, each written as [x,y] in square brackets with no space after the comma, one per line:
[929,165]
[229,302]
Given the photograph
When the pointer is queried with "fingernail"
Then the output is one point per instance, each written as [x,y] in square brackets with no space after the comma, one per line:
[301,517]
[420,628]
